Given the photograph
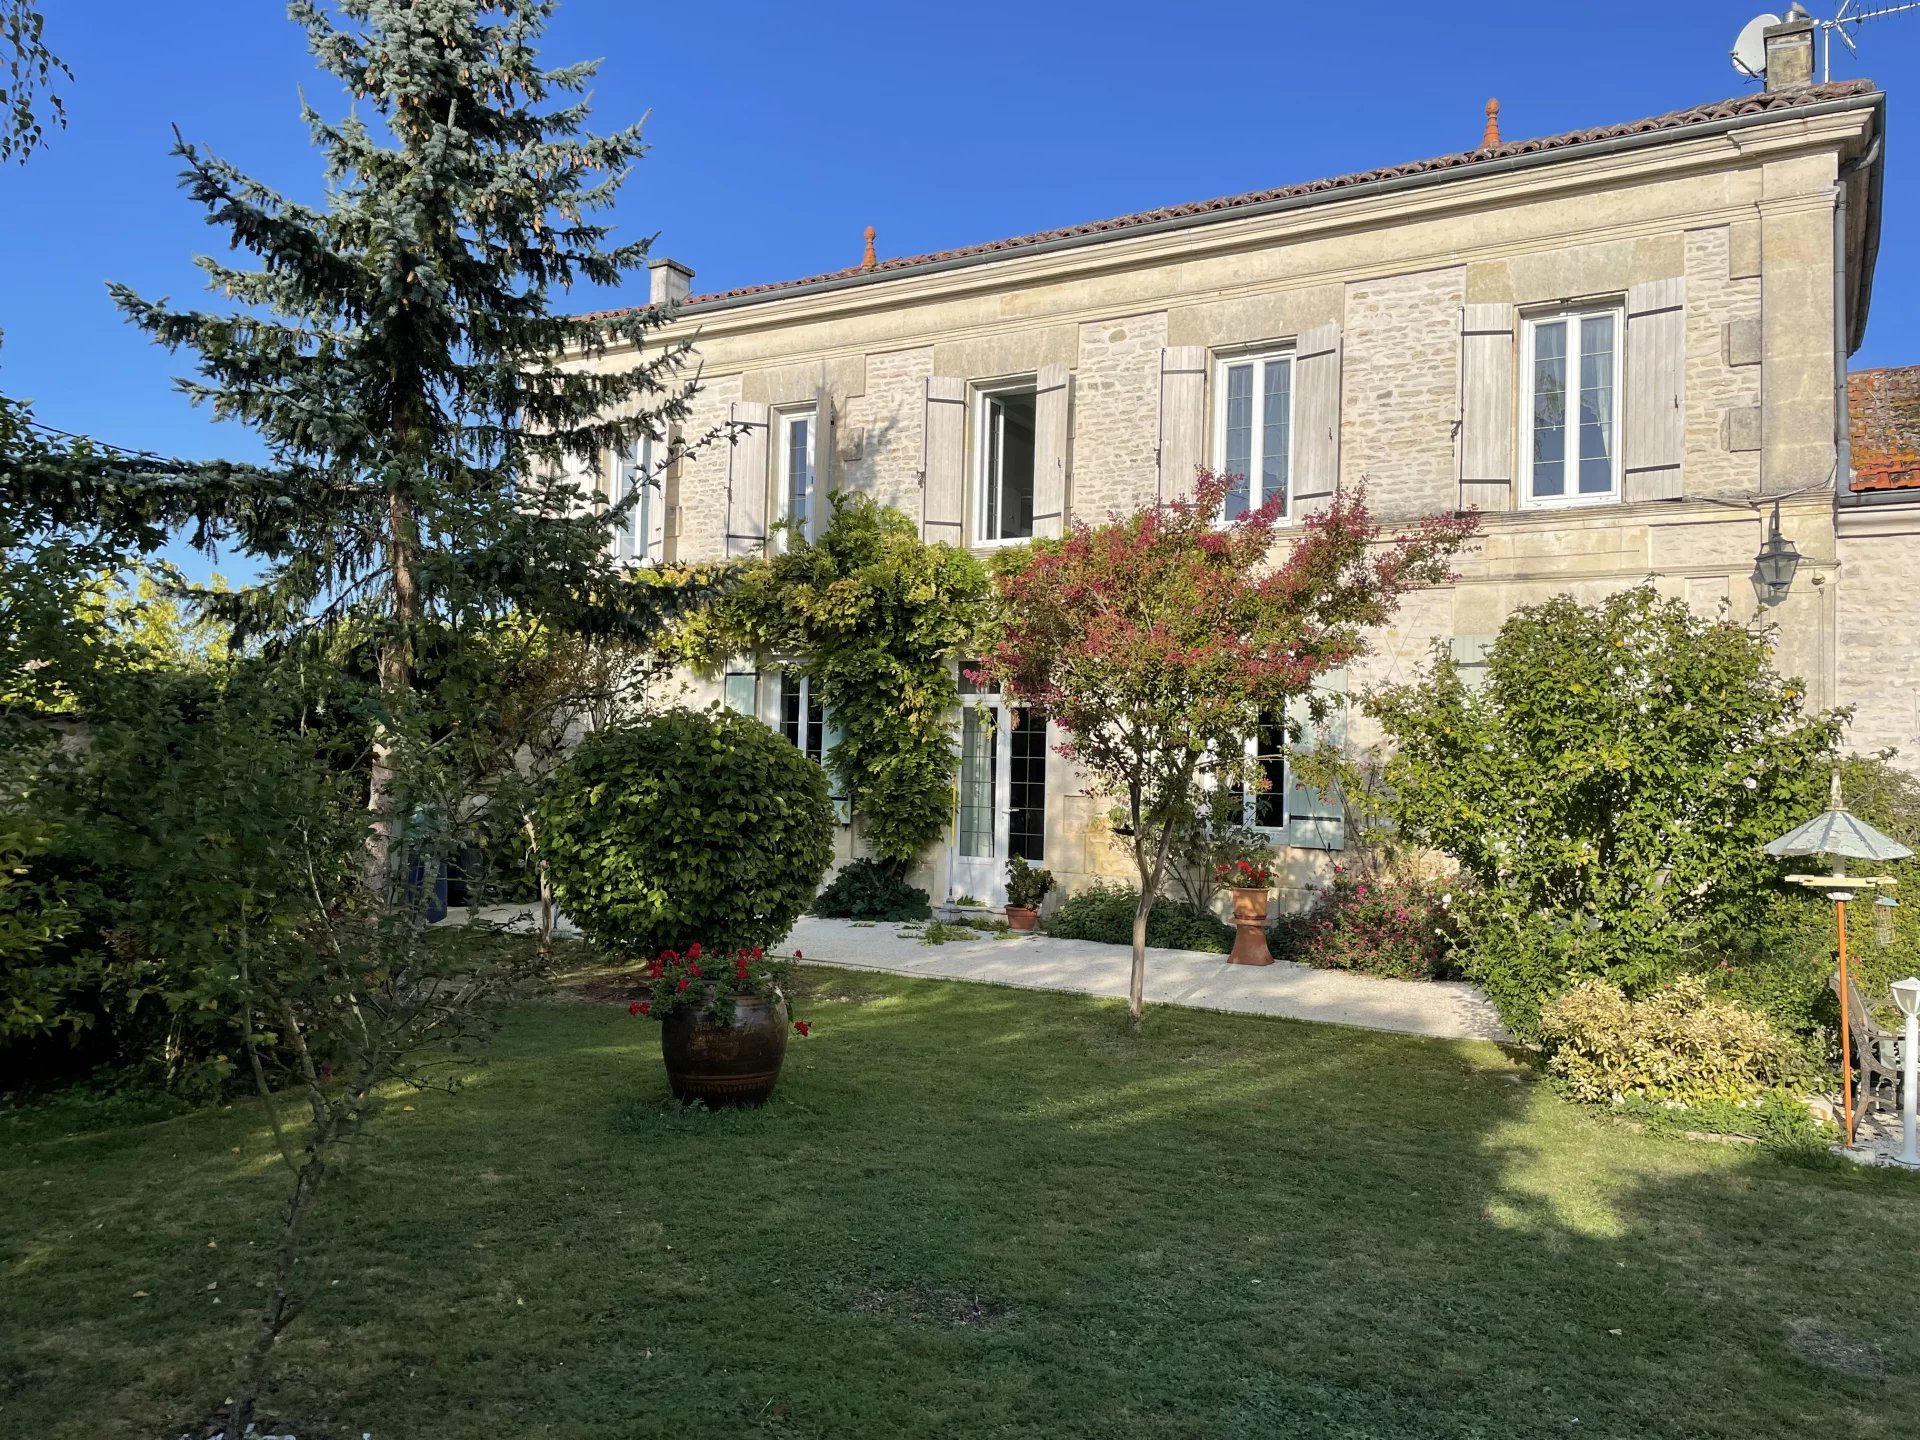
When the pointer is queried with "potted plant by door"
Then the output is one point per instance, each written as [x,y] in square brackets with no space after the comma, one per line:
[1026,888]
[723,1023]
[1250,881]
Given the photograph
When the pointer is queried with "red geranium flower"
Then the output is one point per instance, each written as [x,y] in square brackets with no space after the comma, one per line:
[634,1009]
[797,955]
[646,1007]
[757,952]
[696,969]
[683,983]
[693,951]
[803,1027]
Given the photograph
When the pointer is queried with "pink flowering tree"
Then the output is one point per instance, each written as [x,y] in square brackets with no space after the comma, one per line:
[1157,640]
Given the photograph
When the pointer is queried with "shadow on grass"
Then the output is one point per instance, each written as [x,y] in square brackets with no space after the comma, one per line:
[976,1211]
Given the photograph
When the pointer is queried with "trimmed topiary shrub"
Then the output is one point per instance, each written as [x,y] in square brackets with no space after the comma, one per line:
[1104,912]
[868,890]
[684,827]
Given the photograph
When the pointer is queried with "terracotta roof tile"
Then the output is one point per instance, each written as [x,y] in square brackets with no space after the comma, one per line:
[1757,103]
[1883,423]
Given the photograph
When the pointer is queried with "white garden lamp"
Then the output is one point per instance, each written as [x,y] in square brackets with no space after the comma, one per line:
[1906,994]
[1838,832]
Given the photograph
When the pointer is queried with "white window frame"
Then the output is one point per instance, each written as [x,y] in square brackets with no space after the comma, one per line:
[1251,798]
[983,396]
[783,423]
[799,742]
[1256,459]
[635,469]
[1573,315]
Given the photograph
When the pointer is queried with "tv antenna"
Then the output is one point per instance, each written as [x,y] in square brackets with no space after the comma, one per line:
[1847,15]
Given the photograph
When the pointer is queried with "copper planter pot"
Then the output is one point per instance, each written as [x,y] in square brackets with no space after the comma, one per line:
[1250,926]
[723,1065]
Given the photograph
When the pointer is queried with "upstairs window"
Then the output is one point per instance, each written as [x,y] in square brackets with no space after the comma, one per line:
[1253,429]
[1571,408]
[793,435]
[1005,469]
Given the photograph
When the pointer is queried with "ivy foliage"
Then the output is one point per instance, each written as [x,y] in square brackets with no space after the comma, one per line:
[1610,788]
[687,827]
[875,618]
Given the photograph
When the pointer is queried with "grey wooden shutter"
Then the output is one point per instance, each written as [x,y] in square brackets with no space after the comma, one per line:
[1486,407]
[1052,440]
[1316,402]
[1656,414]
[943,458]
[1317,819]
[627,477]
[654,476]
[1182,446]
[820,509]
[747,481]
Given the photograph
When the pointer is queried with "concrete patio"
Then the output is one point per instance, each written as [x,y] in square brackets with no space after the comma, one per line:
[1443,1009]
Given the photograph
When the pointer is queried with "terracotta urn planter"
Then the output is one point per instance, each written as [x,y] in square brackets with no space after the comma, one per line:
[722,1065]
[1021,918]
[1250,926]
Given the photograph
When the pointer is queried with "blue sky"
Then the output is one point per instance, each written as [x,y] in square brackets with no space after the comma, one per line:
[782,130]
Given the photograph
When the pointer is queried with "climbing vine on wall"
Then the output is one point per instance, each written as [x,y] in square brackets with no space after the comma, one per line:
[875,618]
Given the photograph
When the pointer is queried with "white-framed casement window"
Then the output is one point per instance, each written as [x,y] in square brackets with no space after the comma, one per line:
[803,720]
[1265,809]
[1253,428]
[1570,407]
[793,438]
[632,472]
[1003,469]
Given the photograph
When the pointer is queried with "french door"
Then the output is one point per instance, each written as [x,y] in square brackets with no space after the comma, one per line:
[1001,798]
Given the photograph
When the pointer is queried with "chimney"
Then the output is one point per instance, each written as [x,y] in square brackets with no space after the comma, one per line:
[1790,51]
[671,282]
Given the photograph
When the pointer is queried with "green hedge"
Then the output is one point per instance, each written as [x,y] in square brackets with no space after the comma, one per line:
[1104,911]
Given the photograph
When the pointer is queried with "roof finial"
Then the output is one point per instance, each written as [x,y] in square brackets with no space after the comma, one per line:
[867,261]
[1491,139]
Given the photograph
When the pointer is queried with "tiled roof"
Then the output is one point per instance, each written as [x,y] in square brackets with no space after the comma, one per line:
[1883,422]
[1757,103]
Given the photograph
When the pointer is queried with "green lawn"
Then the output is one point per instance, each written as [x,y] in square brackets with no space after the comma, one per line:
[972,1212]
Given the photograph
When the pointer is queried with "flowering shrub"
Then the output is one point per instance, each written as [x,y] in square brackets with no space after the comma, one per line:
[1396,926]
[1245,875]
[696,979]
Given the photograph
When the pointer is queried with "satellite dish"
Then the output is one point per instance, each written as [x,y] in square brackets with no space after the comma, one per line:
[1749,52]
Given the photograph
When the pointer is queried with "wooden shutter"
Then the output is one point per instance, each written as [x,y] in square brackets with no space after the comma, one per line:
[1656,415]
[747,481]
[830,737]
[654,477]
[943,458]
[1486,407]
[626,476]
[741,691]
[1316,819]
[820,511]
[1316,409]
[767,689]
[1181,448]
[1052,439]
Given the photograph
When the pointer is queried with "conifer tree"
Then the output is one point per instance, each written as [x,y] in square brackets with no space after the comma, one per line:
[400,350]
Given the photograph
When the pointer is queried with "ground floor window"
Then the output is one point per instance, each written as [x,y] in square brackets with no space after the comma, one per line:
[1264,809]
[803,719]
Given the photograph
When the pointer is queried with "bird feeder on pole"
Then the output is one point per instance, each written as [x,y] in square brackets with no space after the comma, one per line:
[1839,833]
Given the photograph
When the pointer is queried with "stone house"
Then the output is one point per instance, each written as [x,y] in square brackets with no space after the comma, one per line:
[1625,346]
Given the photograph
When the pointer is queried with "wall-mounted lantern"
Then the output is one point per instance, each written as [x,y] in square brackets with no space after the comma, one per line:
[1773,567]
